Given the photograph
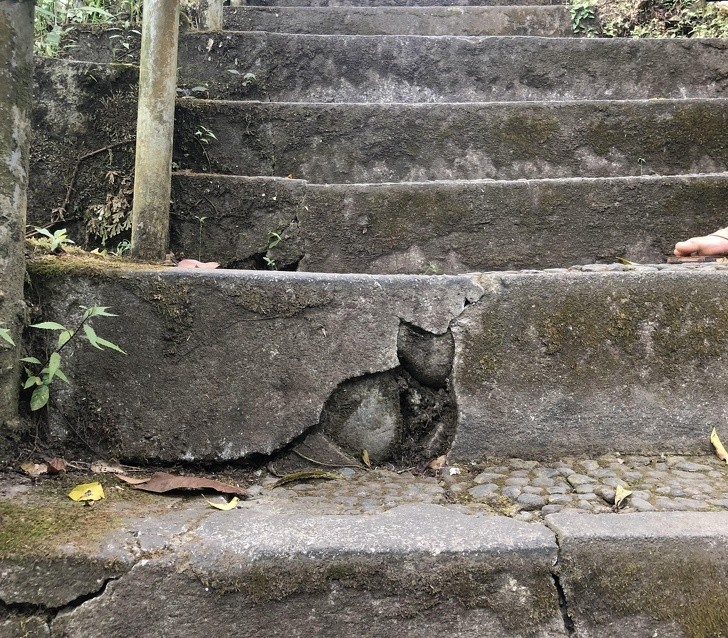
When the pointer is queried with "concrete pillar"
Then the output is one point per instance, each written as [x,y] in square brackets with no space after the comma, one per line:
[16,75]
[155,129]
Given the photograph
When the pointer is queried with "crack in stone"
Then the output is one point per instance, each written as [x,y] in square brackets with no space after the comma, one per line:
[563,602]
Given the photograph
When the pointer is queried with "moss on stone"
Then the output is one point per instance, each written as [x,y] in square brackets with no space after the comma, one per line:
[35,529]
[683,589]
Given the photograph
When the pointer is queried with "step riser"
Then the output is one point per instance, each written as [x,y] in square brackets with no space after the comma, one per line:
[391,3]
[357,583]
[444,228]
[296,68]
[302,68]
[376,143]
[544,365]
[412,571]
[443,21]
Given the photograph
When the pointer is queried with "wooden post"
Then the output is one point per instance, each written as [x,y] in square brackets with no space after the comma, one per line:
[16,82]
[155,129]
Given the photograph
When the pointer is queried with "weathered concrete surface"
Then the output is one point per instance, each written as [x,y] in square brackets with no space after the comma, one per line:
[410,68]
[545,364]
[468,21]
[325,68]
[599,362]
[350,143]
[644,575]
[449,227]
[79,108]
[229,364]
[439,227]
[24,626]
[386,3]
[412,571]
[16,74]
[236,221]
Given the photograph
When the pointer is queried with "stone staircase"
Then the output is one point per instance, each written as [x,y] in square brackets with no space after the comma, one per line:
[442,191]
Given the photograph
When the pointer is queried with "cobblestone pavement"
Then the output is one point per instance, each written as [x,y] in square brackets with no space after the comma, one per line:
[525,490]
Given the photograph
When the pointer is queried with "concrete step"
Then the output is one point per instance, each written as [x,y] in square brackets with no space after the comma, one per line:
[439,227]
[142,566]
[228,365]
[359,143]
[320,68]
[285,67]
[462,21]
[391,3]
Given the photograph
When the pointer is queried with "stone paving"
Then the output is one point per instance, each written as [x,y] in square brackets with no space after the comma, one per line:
[522,489]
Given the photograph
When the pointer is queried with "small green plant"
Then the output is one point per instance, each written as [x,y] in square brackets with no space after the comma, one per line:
[432,269]
[582,13]
[649,18]
[274,239]
[200,91]
[201,221]
[40,375]
[5,336]
[249,79]
[54,240]
[205,135]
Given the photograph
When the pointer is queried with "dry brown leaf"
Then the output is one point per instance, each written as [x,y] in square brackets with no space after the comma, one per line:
[719,449]
[131,480]
[102,467]
[438,463]
[34,470]
[56,465]
[161,482]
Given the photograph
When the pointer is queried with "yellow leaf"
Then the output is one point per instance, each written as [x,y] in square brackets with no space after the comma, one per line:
[719,449]
[620,494]
[365,458]
[87,492]
[230,505]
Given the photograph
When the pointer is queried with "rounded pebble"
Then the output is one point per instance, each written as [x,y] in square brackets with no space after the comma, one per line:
[481,490]
[579,479]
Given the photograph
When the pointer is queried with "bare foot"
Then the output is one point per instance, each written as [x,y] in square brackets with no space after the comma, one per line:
[707,245]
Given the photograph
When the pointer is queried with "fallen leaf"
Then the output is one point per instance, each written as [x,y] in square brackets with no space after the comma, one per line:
[193,263]
[102,467]
[56,465]
[34,470]
[87,492]
[719,449]
[438,463]
[161,482]
[305,476]
[620,494]
[365,458]
[229,505]
[131,479]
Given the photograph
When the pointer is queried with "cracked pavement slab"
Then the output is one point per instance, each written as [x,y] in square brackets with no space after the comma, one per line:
[293,561]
